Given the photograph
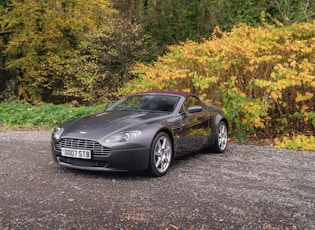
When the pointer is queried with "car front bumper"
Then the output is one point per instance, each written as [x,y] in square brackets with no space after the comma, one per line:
[128,159]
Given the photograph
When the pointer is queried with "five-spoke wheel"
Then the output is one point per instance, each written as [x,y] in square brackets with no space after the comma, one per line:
[221,138]
[161,154]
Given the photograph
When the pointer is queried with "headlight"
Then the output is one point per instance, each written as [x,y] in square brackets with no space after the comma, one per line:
[57,132]
[123,136]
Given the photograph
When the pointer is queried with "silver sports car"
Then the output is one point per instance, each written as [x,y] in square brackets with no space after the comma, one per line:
[144,131]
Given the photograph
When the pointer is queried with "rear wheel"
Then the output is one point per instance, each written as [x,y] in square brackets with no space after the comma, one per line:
[221,138]
[161,154]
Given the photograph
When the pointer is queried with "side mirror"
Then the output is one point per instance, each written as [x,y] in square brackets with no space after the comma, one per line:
[195,109]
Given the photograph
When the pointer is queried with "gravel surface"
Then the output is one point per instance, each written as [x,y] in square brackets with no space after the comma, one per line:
[248,187]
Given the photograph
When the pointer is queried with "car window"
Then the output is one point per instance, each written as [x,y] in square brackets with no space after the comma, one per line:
[126,103]
[148,102]
[189,101]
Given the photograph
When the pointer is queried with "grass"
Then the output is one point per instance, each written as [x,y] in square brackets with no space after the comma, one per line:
[19,115]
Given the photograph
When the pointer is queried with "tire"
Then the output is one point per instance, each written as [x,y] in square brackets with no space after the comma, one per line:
[221,138]
[161,154]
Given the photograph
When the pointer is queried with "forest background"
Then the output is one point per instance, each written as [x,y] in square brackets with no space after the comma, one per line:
[256,59]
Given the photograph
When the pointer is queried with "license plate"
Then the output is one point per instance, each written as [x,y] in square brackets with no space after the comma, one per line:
[76,153]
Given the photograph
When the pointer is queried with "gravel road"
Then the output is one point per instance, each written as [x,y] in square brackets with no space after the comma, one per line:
[248,187]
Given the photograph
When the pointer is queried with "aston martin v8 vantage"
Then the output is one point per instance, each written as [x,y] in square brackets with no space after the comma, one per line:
[144,131]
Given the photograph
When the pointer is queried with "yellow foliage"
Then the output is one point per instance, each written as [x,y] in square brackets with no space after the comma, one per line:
[306,96]
[300,142]
[261,76]
[276,94]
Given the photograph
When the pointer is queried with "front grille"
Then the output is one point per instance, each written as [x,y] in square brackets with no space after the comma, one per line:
[96,147]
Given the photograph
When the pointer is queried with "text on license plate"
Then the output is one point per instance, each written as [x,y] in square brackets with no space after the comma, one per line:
[76,153]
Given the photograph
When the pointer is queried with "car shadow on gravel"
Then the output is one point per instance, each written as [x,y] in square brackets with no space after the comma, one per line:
[108,175]
[177,163]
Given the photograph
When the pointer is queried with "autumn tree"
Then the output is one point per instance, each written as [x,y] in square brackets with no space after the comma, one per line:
[39,35]
[73,50]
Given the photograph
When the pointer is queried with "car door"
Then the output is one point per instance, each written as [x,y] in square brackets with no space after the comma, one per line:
[192,136]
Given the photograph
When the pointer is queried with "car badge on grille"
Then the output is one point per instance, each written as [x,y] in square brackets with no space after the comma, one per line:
[82,132]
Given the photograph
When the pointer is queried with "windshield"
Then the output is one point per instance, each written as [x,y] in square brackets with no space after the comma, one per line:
[148,102]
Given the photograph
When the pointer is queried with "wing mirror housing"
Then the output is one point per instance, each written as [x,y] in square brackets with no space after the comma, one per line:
[195,109]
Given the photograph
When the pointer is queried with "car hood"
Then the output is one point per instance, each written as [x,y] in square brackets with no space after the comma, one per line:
[104,124]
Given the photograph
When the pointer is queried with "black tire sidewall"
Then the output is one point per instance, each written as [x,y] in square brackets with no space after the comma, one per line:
[217,148]
[152,167]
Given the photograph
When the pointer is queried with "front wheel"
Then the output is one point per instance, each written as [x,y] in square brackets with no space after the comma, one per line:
[161,154]
[221,138]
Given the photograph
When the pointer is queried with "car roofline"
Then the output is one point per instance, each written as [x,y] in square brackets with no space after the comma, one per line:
[170,92]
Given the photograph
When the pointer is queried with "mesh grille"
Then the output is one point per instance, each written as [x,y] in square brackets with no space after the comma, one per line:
[96,147]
